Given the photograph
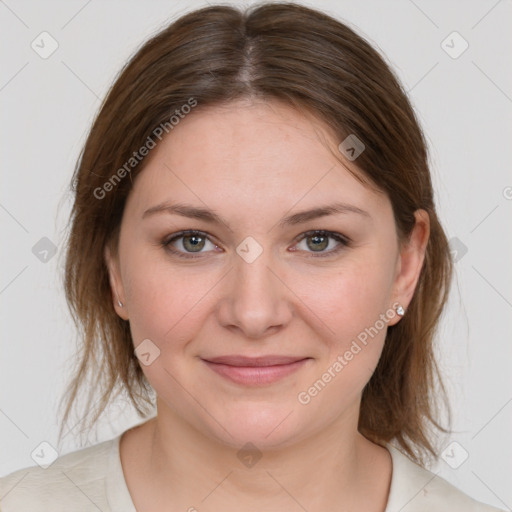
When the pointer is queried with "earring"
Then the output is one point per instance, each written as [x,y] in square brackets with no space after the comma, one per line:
[400,310]
[119,303]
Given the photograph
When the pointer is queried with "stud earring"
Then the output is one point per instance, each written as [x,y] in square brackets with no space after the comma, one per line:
[119,303]
[400,310]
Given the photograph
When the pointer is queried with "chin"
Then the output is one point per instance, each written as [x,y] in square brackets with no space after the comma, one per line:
[268,427]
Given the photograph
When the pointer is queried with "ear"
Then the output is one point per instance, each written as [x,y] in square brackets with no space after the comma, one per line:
[116,283]
[410,262]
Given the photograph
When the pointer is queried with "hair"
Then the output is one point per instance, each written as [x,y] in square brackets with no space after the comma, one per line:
[313,63]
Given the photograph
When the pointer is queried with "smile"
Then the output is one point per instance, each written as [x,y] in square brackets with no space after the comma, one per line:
[255,371]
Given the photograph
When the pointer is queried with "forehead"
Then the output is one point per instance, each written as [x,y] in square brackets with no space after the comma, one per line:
[251,154]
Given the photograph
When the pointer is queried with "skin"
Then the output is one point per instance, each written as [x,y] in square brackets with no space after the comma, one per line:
[253,163]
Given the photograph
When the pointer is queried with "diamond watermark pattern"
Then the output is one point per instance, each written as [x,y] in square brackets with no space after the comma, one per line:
[457,249]
[44,454]
[147,352]
[44,250]
[249,455]
[454,45]
[351,147]
[45,45]
[454,455]
[249,249]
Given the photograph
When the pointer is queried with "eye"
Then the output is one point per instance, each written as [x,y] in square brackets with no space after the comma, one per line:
[194,244]
[322,243]
[186,243]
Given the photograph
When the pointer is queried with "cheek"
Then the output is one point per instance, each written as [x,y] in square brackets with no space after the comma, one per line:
[354,303]
[165,303]
[351,298]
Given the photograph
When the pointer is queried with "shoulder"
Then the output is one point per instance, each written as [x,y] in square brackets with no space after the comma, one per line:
[415,489]
[75,481]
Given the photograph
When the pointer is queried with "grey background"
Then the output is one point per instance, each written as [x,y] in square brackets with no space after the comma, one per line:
[464,105]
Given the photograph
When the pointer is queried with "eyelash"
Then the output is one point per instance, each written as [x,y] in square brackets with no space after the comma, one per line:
[343,242]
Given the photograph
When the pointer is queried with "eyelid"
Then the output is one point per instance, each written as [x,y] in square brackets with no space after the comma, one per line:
[185,232]
[166,243]
[343,242]
[323,232]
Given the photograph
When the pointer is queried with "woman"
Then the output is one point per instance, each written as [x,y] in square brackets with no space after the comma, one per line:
[254,240]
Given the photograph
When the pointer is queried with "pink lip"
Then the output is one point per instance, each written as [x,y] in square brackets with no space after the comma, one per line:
[254,371]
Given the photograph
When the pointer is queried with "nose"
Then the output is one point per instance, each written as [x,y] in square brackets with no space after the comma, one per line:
[255,301]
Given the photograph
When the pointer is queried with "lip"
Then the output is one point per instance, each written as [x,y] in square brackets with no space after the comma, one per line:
[255,371]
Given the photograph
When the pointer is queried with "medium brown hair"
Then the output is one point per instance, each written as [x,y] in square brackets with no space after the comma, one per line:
[314,63]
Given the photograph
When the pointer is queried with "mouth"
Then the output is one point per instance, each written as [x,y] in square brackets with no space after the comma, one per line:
[255,371]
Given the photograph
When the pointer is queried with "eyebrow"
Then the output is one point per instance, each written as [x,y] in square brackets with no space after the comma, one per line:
[195,212]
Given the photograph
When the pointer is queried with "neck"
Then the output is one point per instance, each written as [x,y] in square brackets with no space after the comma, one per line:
[188,469]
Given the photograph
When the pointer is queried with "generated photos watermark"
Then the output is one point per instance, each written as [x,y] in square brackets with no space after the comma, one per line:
[158,133]
[357,345]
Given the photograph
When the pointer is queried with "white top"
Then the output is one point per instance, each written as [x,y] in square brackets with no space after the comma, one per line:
[92,479]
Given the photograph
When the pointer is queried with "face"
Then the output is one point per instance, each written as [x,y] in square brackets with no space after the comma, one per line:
[265,319]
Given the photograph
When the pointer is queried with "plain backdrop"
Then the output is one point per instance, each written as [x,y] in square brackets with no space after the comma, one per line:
[463,97]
